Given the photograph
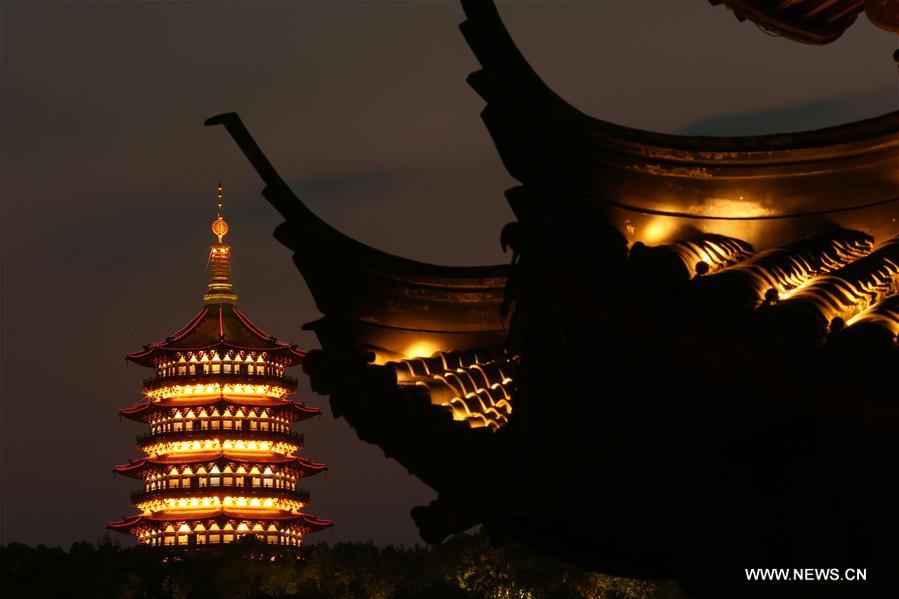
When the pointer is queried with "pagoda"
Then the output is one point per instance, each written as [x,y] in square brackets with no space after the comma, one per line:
[221,459]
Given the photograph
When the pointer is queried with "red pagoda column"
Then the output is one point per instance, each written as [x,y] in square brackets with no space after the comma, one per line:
[221,459]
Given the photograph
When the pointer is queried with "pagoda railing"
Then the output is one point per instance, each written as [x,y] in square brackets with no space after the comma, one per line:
[222,433]
[300,495]
[155,382]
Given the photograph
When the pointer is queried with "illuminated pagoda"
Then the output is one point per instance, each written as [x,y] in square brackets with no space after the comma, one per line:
[221,459]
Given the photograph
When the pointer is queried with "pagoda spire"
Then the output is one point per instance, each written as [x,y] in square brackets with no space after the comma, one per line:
[220,287]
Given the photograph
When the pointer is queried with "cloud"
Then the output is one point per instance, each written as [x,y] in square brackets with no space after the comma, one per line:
[799,117]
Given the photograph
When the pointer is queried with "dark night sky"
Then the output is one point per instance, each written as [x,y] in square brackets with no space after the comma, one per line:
[108,178]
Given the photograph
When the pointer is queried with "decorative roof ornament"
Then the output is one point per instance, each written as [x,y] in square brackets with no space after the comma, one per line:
[220,287]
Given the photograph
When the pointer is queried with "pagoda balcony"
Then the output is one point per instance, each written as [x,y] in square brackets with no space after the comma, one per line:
[221,491]
[156,382]
[222,433]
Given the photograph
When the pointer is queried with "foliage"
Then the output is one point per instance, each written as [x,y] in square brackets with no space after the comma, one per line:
[464,567]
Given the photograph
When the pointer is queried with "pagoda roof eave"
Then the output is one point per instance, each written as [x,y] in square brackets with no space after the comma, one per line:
[144,358]
[314,523]
[134,468]
[210,329]
[137,412]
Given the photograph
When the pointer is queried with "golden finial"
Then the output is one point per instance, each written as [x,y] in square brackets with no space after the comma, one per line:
[220,290]
[219,225]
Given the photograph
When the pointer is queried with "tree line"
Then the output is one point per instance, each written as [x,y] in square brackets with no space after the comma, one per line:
[463,567]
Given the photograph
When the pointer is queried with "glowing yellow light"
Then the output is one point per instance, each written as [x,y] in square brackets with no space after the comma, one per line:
[421,349]
[215,389]
[658,230]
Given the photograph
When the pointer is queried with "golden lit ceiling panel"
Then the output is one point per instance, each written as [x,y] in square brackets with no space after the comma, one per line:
[775,273]
[475,386]
[884,313]
[834,298]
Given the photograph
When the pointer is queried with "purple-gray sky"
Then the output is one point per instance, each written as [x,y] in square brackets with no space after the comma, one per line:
[108,177]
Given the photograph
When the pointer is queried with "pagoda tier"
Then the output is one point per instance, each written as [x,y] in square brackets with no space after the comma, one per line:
[220,457]
[217,526]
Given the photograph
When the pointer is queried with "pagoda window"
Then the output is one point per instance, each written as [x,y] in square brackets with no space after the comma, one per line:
[201,539]
[182,369]
[253,425]
[268,482]
[178,425]
[216,368]
[203,481]
[238,481]
[214,538]
[228,481]
[256,481]
[215,424]
[251,369]
[215,480]
[263,426]
[168,540]
[185,482]
[174,483]
[205,368]
[228,538]
[182,539]
[204,424]
[189,425]
[227,424]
